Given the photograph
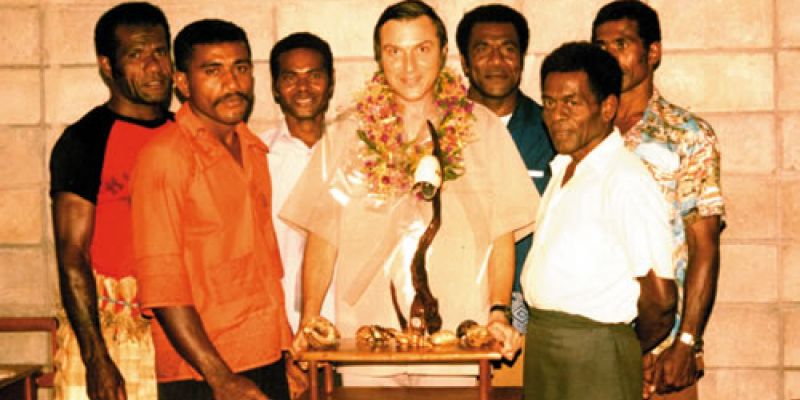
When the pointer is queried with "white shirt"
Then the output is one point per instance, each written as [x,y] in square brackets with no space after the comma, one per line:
[595,235]
[288,157]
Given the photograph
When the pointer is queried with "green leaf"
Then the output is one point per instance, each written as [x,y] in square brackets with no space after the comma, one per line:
[364,138]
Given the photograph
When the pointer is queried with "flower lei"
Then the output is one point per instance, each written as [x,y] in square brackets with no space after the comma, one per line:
[386,159]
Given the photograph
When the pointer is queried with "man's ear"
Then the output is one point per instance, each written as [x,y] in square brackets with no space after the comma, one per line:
[182,84]
[464,65]
[654,55]
[106,69]
[608,108]
[332,84]
[275,94]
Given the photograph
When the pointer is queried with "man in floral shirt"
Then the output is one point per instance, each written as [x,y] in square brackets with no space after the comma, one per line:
[680,151]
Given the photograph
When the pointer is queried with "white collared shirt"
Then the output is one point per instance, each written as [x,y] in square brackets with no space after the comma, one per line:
[595,235]
[288,157]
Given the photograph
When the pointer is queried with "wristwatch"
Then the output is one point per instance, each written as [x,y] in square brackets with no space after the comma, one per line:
[695,343]
[504,308]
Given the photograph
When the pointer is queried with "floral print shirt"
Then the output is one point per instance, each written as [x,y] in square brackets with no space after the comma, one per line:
[680,151]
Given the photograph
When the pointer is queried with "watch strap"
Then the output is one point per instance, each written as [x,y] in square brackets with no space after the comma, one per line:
[504,308]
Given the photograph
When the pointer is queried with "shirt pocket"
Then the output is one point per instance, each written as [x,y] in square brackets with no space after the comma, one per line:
[233,289]
[663,165]
[659,157]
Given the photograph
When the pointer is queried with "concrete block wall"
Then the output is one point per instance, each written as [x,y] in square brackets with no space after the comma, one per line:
[734,62]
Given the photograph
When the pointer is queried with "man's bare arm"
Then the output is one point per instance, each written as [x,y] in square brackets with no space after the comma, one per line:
[501,281]
[656,309]
[702,273]
[187,335]
[318,262]
[73,225]
[676,366]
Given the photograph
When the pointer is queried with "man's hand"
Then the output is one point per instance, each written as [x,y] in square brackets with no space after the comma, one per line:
[509,338]
[235,387]
[104,381]
[648,375]
[299,343]
[676,368]
[298,380]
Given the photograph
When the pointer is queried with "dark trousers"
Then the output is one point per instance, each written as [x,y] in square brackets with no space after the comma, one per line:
[569,357]
[271,379]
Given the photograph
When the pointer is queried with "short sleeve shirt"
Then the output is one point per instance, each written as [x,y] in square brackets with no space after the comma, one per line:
[374,244]
[680,151]
[203,237]
[596,234]
[288,157]
[93,159]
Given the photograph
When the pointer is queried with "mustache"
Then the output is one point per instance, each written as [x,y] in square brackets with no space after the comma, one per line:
[241,95]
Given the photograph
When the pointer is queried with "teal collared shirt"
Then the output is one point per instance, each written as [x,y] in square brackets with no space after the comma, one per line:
[534,145]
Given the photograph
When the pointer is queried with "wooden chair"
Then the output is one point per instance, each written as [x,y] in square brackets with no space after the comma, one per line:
[35,324]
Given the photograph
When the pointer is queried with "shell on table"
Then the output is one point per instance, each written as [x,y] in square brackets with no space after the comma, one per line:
[320,333]
[472,334]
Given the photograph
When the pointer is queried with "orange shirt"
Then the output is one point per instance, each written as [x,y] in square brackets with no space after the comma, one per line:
[203,236]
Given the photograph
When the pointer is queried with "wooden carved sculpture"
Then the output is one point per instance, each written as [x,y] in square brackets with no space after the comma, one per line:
[424,314]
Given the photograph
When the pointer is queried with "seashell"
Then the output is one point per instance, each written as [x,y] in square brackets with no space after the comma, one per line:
[462,327]
[474,335]
[321,333]
[444,338]
[428,176]
[374,334]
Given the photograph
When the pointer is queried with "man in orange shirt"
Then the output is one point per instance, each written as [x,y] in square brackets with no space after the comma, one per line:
[206,254]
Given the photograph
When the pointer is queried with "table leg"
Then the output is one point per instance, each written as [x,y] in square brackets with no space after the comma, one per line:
[30,388]
[312,377]
[484,380]
[328,377]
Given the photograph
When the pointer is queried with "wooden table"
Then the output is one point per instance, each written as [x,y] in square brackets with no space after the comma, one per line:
[349,351]
[18,381]
[417,393]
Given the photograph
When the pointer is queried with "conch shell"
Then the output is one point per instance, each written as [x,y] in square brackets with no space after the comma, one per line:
[428,176]
[473,335]
[444,338]
[321,334]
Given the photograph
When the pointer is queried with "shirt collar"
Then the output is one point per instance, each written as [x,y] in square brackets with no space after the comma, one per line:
[281,134]
[654,98]
[518,114]
[276,134]
[203,138]
[651,116]
[597,158]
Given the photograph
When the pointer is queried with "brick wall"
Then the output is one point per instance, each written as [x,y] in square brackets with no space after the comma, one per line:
[735,62]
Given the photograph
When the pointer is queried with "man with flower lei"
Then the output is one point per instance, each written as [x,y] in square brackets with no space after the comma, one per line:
[355,201]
